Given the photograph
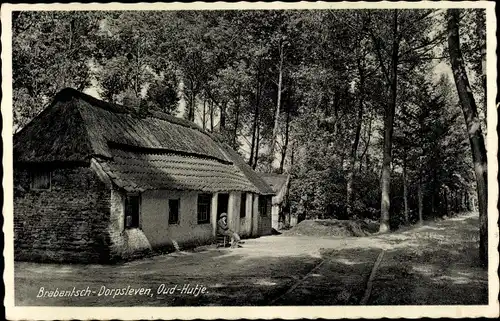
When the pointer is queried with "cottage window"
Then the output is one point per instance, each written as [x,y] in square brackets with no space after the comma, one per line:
[40,180]
[204,205]
[263,202]
[243,204]
[173,211]
[132,205]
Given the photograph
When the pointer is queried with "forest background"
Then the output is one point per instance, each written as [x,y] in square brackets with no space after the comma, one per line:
[375,114]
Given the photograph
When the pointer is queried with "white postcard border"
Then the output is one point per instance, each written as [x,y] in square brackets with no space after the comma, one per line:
[130,313]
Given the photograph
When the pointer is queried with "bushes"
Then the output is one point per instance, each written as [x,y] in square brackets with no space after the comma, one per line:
[322,194]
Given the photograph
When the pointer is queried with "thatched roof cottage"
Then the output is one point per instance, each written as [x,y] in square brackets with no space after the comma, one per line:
[97,182]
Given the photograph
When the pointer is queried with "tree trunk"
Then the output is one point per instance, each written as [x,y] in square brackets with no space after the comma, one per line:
[237,119]
[192,102]
[222,122]
[456,202]
[255,124]
[354,148]
[459,201]
[476,139]
[433,202]
[367,143]
[254,135]
[211,105]
[277,114]
[252,146]
[368,161]
[285,144]
[385,178]
[445,202]
[342,158]
[204,114]
[481,34]
[405,191]
[336,105]
[420,202]
[257,141]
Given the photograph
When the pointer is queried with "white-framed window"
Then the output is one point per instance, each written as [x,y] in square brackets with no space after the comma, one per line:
[173,211]
[132,210]
[204,207]
[41,180]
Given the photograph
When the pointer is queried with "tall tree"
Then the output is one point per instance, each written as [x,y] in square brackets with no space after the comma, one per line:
[50,50]
[290,107]
[278,103]
[473,127]
[406,31]
[190,55]
[125,62]
[392,78]
[357,34]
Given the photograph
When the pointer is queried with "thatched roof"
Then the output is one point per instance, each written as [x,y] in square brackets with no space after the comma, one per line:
[278,183]
[252,176]
[138,171]
[137,151]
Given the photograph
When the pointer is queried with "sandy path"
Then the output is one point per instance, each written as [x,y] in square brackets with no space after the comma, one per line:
[432,264]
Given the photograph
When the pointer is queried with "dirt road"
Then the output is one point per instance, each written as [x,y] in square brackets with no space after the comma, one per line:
[433,264]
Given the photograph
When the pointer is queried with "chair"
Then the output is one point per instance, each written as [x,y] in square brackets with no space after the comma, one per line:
[222,240]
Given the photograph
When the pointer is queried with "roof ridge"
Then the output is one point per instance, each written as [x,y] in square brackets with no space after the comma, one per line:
[68,92]
[151,150]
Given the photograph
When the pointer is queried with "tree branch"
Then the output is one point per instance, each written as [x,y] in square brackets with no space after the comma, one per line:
[380,58]
[424,58]
[422,17]
[433,42]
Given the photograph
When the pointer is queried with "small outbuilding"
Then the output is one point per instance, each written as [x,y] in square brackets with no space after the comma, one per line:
[99,182]
[280,206]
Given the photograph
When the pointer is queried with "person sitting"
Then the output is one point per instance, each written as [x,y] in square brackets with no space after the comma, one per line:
[223,229]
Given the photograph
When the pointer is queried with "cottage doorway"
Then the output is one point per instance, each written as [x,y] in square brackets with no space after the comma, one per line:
[222,201]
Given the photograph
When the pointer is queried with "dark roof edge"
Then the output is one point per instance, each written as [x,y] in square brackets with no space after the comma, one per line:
[150,150]
[68,93]
[54,163]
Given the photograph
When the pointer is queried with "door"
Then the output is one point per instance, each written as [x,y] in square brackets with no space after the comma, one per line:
[222,201]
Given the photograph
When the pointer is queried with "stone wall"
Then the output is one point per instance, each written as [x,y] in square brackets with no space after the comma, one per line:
[125,244]
[67,223]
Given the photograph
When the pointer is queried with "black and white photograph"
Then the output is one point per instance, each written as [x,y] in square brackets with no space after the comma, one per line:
[319,159]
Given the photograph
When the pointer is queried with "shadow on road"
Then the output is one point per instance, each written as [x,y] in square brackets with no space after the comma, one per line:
[433,264]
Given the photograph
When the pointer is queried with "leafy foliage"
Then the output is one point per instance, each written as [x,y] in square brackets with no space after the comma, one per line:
[50,51]
[223,67]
